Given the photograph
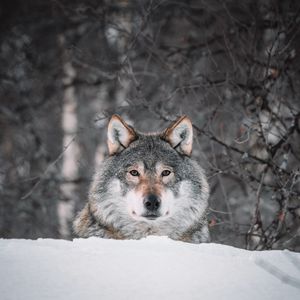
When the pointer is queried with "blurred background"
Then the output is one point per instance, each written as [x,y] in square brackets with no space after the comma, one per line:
[232,66]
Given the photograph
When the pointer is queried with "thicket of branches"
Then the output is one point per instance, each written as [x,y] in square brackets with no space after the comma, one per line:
[233,67]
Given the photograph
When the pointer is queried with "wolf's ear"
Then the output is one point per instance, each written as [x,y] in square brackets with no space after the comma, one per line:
[119,135]
[180,135]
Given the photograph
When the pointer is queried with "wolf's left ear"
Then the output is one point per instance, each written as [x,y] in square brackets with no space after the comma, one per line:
[119,135]
[180,135]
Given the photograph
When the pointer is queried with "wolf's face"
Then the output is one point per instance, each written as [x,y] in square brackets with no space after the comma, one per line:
[150,178]
[149,194]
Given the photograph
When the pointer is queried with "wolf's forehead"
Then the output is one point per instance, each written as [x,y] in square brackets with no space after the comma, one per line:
[146,165]
[149,150]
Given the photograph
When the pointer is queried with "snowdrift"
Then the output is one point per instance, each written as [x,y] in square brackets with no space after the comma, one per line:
[152,268]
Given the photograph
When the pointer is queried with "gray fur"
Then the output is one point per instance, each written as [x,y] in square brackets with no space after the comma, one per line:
[105,214]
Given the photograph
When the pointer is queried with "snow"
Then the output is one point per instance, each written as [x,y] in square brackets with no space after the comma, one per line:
[152,268]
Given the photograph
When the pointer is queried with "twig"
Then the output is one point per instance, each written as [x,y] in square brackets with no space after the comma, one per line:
[42,177]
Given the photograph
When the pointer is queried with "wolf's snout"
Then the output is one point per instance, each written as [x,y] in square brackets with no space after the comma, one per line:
[152,202]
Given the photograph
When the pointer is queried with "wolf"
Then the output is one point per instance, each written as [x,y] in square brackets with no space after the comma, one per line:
[148,185]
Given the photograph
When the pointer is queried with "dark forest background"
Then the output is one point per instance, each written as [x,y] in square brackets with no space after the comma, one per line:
[232,66]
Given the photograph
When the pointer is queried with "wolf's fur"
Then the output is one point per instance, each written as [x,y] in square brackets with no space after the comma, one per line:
[116,206]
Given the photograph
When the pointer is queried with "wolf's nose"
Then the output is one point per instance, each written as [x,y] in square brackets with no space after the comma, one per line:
[152,202]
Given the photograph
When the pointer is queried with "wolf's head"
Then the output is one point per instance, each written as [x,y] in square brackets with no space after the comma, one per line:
[150,179]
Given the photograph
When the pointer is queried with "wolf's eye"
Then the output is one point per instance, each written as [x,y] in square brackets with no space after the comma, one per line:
[165,173]
[134,173]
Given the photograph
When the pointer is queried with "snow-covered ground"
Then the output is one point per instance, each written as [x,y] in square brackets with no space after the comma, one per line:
[152,268]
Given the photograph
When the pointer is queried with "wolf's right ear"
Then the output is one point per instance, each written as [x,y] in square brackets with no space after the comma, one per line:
[180,135]
[119,135]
